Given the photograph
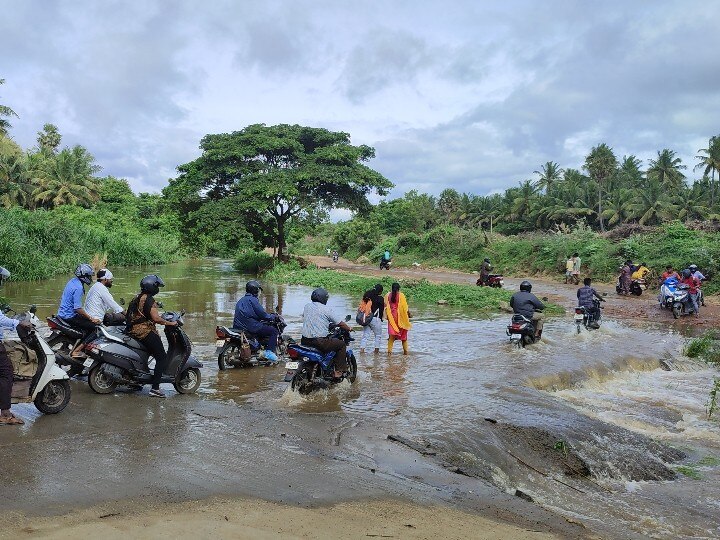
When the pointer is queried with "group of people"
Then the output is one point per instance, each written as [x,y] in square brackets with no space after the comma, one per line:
[692,278]
[572,268]
[630,272]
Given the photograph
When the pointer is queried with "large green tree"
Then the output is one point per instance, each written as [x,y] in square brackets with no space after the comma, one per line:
[601,164]
[6,112]
[66,178]
[709,163]
[283,171]
[665,169]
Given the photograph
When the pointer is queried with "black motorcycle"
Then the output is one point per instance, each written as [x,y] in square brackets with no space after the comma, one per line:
[238,348]
[116,358]
[521,331]
[587,318]
[385,264]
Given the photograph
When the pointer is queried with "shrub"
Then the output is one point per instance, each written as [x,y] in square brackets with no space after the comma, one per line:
[253,262]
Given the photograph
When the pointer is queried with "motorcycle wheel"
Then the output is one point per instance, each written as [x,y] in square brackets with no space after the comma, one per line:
[62,347]
[352,369]
[99,382]
[189,381]
[222,364]
[636,290]
[54,397]
[676,312]
[578,328]
[302,381]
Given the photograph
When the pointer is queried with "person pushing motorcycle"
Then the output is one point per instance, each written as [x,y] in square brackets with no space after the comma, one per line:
[528,305]
[251,317]
[317,317]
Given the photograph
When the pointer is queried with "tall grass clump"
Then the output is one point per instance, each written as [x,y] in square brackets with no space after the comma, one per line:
[705,348]
[252,262]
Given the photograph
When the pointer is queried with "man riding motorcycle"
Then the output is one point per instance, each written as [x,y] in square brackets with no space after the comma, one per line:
[641,271]
[585,295]
[99,300]
[251,317]
[317,317]
[697,274]
[485,270]
[528,305]
[71,305]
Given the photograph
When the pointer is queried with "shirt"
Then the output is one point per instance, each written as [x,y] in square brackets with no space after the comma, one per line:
[249,314]
[71,299]
[585,296]
[99,300]
[666,275]
[640,273]
[7,322]
[576,265]
[569,265]
[526,304]
[317,318]
[698,275]
[692,284]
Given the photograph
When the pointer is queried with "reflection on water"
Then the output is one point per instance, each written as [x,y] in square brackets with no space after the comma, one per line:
[461,370]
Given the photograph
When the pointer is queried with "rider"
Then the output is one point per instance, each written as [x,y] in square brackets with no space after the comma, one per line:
[528,305]
[71,305]
[98,300]
[585,295]
[697,274]
[142,316]
[250,316]
[385,258]
[317,318]
[693,285]
[6,367]
[641,271]
[485,270]
[668,273]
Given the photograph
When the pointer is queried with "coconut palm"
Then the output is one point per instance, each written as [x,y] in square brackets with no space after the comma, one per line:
[67,178]
[601,164]
[710,163]
[15,184]
[665,169]
[652,204]
[523,200]
[549,174]
[616,206]
[7,112]
[691,203]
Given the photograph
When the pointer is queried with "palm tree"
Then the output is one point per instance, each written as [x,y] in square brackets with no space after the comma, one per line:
[616,206]
[601,164]
[666,170]
[67,178]
[710,163]
[5,111]
[522,201]
[550,174]
[652,205]
[15,186]
[690,204]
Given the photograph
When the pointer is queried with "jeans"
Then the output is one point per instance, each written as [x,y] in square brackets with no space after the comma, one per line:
[81,323]
[326,345]
[693,301]
[375,327]
[6,379]
[154,345]
[271,333]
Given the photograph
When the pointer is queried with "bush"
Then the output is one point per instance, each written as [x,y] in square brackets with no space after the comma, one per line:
[253,262]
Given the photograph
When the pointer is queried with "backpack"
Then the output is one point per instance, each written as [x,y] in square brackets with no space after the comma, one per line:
[364,315]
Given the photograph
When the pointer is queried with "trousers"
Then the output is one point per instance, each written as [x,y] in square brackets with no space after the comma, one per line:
[154,345]
[375,327]
[326,345]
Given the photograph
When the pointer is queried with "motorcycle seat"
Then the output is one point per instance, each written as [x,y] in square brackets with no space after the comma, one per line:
[236,332]
[67,327]
[119,333]
[301,348]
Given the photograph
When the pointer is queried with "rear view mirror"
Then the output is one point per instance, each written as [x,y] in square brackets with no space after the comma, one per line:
[159,305]
[347,318]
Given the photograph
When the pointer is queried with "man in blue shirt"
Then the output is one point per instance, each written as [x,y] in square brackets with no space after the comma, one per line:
[71,303]
[6,367]
[250,316]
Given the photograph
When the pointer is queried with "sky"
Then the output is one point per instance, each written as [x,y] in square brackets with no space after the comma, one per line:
[473,95]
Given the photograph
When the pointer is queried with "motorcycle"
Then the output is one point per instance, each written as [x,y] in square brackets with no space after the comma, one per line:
[521,331]
[637,286]
[49,387]
[675,297]
[586,318]
[492,280]
[385,264]
[335,257]
[310,369]
[237,348]
[118,359]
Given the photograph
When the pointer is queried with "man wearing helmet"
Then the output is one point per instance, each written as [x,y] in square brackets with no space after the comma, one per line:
[251,317]
[71,303]
[6,367]
[693,285]
[317,317]
[528,305]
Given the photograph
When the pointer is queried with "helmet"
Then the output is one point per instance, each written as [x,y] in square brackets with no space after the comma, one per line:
[151,284]
[253,287]
[686,273]
[486,260]
[4,275]
[692,267]
[526,286]
[84,273]
[320,295]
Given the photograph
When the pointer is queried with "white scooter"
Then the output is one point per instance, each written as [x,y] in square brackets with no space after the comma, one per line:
[49,387]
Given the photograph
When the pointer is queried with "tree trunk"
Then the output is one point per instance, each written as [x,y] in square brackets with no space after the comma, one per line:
[281,238]
[602,225]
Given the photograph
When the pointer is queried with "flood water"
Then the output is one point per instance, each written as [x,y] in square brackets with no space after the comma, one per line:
[597,403]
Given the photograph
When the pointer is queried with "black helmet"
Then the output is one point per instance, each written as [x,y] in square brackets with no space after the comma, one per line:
[486,260]
[526,286]
[4,275]
[686,273]
[320,295]
[151,284]
[253,287]
[84,273]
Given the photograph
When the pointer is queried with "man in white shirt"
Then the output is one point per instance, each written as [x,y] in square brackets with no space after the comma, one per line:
[98,300]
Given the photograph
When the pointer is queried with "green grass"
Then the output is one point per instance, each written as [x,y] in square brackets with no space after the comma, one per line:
[705,348]
[484,299]
[689,471]
[253,262]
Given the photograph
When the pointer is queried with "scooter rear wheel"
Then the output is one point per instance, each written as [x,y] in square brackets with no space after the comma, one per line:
[189,381]
[676,312]
[54,397]
[99,382]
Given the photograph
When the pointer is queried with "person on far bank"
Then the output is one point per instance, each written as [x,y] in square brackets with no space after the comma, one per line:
[6,368]
[142,316]
[569,265]
[585,295]
[625,277]
[641,271]
[71,305]
[317,317]
[373,304]
[575,273]
[693,285]
[485,270]
[99,301]
[525,303]
[398,317]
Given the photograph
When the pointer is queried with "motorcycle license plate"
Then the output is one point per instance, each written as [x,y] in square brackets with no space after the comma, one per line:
[578,317]
[515,336]
[88,362]
[220,343]
[291,365]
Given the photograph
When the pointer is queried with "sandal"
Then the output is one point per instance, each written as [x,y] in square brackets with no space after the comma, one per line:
[156,393]
[11,420]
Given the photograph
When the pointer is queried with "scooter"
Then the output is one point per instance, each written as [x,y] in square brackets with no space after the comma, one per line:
[385,264]
[310,369]
[493,280]
[675,297]
[238,348]
[49,386]
[335,256]
[637,286]
[586,318]
[118,359]
[521,331]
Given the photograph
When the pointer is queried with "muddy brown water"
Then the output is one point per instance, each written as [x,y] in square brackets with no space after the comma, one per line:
[591,426]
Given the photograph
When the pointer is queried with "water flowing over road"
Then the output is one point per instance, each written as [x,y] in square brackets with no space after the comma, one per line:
[591,426]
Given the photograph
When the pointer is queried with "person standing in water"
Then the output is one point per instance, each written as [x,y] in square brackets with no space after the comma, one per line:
[398,317]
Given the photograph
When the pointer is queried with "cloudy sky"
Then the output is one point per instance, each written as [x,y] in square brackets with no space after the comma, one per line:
[473,94]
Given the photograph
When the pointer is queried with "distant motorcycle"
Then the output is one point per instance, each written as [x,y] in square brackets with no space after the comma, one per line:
[335,256]
[493,280]
[584,317]
[637,286]
[310,369]
[385,264]
[675,296]
[238,348]
[521,331]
